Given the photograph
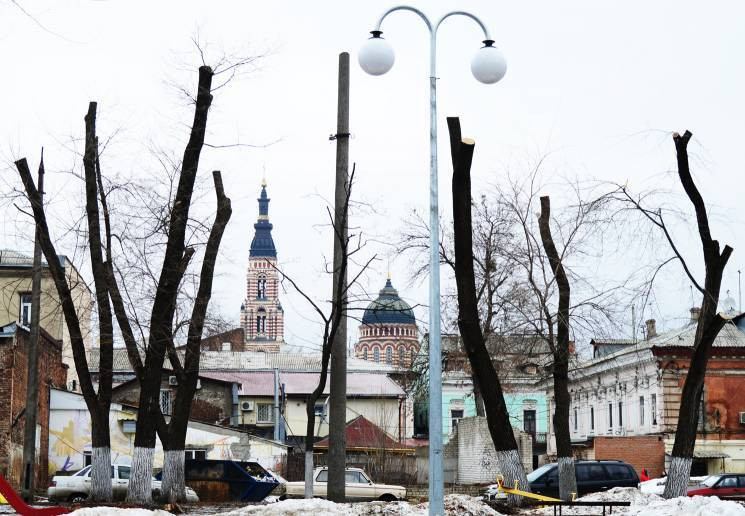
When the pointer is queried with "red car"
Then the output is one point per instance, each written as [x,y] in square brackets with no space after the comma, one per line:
[724,485]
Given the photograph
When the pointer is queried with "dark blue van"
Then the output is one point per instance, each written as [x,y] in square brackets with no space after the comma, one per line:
[592,476]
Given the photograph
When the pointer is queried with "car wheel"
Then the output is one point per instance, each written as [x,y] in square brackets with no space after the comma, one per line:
[387,498]
[77,498]
[283,498]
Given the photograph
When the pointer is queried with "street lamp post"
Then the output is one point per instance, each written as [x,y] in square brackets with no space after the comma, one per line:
[376,57]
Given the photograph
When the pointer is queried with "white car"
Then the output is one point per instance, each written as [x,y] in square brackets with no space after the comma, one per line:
[492,492]
[358,488]
[76,488]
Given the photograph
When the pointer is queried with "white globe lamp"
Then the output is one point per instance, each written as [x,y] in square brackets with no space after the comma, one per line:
[376,55]
[488,65]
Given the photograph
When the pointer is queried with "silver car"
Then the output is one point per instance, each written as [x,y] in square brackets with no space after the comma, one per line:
[76,488]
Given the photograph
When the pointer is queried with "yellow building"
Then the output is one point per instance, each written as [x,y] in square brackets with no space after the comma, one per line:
[15,302]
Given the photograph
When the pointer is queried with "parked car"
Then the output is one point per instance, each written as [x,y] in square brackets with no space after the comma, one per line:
[76,488]
[728,485]
[359,487]
[592,476]
[492,492]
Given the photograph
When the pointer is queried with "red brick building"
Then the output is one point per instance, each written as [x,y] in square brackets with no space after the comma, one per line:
[14,341]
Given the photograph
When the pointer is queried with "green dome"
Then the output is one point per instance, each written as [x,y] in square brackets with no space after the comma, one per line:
[388,308]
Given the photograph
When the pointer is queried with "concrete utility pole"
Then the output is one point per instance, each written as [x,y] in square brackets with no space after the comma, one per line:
[338,389]
[32,378]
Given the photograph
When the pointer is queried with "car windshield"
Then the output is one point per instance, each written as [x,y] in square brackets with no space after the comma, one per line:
[536,474]
[711,480]
[82,472]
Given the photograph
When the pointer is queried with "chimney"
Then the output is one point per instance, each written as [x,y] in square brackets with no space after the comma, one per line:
[651,329]
[695,312]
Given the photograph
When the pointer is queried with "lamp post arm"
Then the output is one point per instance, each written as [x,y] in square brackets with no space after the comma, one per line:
[467,15]
[405,8]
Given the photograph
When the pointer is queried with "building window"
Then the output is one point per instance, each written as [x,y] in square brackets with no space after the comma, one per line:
[455,416]
[610,415]
[653,406]
[576,422]
[264,413]
[641,410]
[165,401]
[401,356]
[87,458]
[199,454]
[376,355]
[261,288]
[25,311]
[529,422]
[592,418]
[620,413]
[389,355]
[364,353]
[261,324]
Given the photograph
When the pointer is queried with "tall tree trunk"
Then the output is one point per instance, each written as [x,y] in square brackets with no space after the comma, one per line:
[708,327]
[161,321]
[173,488]
[497,415]
[567,478]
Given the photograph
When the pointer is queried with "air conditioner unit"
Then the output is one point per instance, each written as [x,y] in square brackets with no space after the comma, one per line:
[172,380]
[247,406]
[742,418]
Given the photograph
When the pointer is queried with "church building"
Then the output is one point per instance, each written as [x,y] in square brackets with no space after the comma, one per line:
[262,317]
[388,332]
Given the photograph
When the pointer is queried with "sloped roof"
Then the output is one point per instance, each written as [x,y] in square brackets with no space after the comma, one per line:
[363,434]
[261,383]
[251,361]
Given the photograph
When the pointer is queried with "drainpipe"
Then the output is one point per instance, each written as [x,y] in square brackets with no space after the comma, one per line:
[235,417]
[276,404]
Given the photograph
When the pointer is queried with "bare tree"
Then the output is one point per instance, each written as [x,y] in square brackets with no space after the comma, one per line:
[709,322]
[497,415]
[98,403]
[560,366]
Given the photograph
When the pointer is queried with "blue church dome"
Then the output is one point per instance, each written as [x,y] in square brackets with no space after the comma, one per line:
[388,308]
[263,243]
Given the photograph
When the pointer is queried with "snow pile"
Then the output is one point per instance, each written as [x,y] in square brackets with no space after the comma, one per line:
[455,505]
[116,511]
[648,504]
[690,506]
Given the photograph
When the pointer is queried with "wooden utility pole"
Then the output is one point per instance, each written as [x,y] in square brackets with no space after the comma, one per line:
[338,388]
[32,377]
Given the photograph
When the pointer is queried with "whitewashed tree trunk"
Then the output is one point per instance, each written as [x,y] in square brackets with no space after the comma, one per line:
[308,474]
[141,480]
[677,478]
[173,486]
[101,474]
[567,478]
[513,472]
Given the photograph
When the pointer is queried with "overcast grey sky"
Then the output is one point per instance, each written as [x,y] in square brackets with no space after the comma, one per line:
[599,85]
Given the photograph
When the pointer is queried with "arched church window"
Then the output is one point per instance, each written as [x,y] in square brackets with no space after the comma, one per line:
[261,324]
[376,355]
[389,355]
[401,356]
[261,288]
[364,353]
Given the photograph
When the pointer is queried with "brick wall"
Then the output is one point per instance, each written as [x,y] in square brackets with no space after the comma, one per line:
[642,451]
[51,373]
[211,403]
[236,338]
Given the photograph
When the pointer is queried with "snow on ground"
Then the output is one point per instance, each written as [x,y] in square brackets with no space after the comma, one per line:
[116,511]
[455,505]
[647,504]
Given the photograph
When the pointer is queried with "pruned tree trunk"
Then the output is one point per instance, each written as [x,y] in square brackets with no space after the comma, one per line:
[161,321]
[497,415]
[708,327]
[567,478]
[98,403]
